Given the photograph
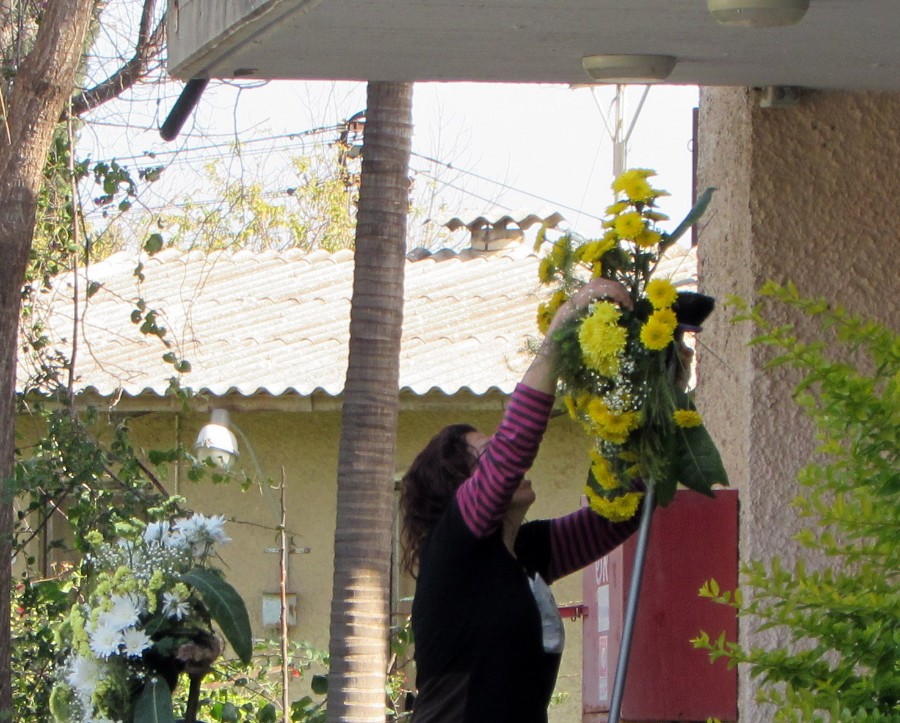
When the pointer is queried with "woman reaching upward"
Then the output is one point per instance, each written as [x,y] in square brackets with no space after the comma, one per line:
[487,631]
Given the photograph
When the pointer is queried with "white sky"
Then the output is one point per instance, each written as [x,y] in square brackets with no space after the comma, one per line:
[478,149]
[511,148]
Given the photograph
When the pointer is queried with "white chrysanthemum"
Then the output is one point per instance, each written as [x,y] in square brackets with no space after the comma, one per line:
[157,533]
[214,529]
[174,606]
[125,612]
[84,675]
[135,642]
[199,532]
[184,532]
[105,641]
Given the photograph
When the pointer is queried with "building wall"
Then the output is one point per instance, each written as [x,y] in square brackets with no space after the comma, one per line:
[305,446]
[806,193]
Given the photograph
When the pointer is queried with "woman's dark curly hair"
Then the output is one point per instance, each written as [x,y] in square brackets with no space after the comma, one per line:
[428,486]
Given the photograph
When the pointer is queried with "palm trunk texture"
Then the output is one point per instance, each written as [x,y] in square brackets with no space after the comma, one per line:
[362,547]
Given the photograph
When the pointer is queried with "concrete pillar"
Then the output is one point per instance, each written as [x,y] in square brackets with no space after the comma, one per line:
[807,193]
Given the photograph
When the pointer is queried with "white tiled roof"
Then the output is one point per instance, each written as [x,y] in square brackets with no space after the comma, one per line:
[277,323]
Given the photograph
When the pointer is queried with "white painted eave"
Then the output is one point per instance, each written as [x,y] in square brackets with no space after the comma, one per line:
[840,44]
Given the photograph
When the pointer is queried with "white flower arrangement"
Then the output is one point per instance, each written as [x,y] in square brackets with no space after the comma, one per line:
[145,616]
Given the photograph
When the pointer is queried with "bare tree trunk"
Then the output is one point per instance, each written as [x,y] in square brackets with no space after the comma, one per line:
[30,111]
[362,548]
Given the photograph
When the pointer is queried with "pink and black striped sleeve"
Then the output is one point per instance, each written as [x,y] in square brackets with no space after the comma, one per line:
[580,538]
[485,496]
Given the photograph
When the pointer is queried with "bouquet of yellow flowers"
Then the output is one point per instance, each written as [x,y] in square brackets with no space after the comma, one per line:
[620,371]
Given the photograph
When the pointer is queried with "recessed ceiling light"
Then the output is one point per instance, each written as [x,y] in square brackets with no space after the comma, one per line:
[758,13]
[628,68]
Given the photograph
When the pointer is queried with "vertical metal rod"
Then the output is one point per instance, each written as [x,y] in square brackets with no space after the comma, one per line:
[634,593]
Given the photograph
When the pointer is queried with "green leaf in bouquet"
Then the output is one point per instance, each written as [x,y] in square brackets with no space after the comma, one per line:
[570,367]
[693,216]
[698,464]
[665,490]
[157,625]
[226,607]
[661,464]
[154,704]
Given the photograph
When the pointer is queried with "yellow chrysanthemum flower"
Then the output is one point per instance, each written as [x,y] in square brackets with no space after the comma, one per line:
[593,250]
[609,425]
[605,312]
[547,310]
[656,335]
[666,317]
[569,403]
[617,509]
[617,208]
[560,251]
[601,339]
[687,418]
[629,225]
[602,472]
[543,318]
[636,189]
[545,270]
[647,238]
[633,183]
[662,293]
[619,426]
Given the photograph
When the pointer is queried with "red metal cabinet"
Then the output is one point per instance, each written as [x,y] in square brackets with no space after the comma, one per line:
[692,540]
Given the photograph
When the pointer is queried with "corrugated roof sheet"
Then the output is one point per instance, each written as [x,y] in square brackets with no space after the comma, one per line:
[278,323]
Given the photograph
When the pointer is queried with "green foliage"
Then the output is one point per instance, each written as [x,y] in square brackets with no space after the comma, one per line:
[234,693]
[843,660]
[694,457]
[398,684]
[154,705]
[37,607]
[68,468]
[226,607]
[316,212]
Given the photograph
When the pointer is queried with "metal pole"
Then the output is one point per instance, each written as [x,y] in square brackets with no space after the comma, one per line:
[190,96]
[634,592]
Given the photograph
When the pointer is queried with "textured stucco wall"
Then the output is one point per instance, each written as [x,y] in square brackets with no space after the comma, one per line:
[808,194]
[306,446]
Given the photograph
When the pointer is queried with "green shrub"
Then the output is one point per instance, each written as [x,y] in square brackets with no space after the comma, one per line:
[843,659]
[233,693]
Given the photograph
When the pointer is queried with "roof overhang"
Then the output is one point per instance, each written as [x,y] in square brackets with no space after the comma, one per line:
[839,44]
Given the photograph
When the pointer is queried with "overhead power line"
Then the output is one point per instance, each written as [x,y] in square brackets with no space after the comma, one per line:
[252,148]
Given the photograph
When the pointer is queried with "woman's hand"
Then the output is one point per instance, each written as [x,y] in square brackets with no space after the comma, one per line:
[541,374]
[592,291]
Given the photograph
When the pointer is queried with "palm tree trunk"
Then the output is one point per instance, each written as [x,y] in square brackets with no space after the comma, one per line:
[362,547]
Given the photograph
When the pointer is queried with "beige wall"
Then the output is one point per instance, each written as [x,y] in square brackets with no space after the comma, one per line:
[305,444]
[805,193]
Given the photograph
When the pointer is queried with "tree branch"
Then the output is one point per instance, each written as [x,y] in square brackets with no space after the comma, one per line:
[148,46]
